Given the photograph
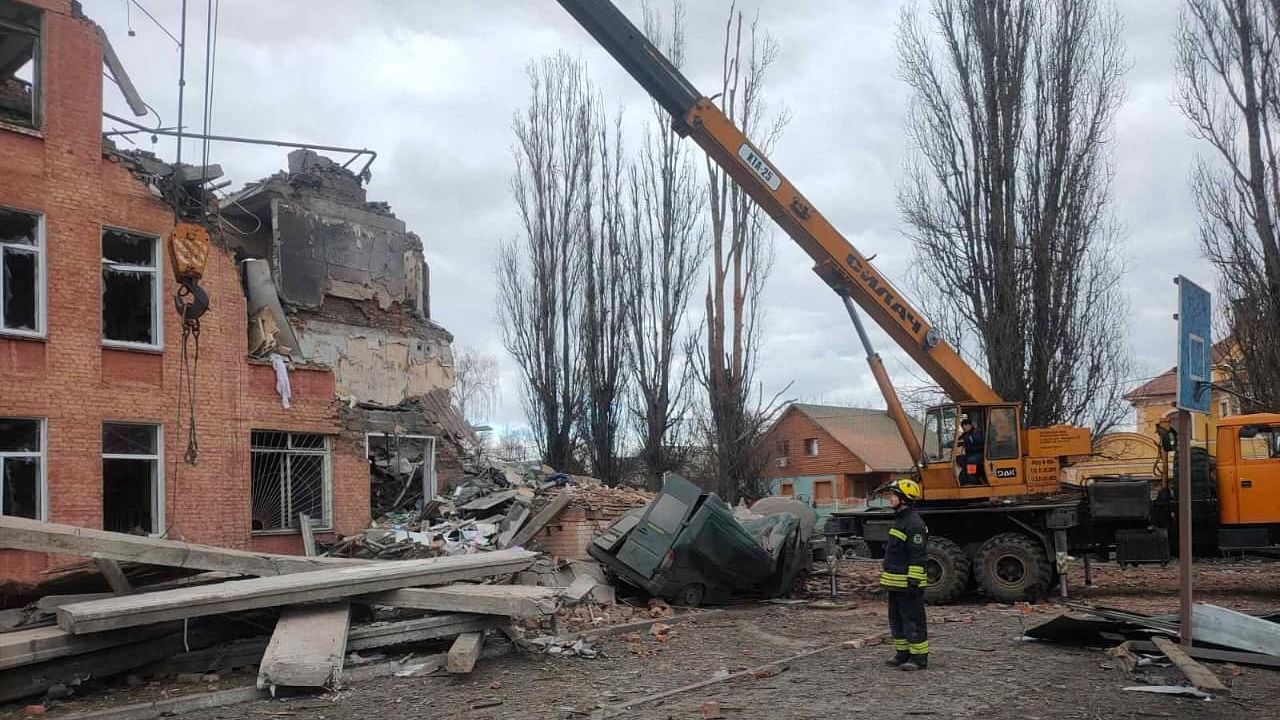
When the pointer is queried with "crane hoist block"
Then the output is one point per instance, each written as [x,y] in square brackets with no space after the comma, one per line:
[189,250]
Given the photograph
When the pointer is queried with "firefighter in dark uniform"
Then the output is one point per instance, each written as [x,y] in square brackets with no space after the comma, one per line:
[904,576]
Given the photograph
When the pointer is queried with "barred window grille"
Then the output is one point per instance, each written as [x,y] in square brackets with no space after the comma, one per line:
[291,475]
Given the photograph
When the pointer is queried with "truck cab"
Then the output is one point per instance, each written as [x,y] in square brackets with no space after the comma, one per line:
[1248,465]
[1013,461]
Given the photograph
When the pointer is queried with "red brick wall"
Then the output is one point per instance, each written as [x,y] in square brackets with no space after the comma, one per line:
[832,458]
[69,379]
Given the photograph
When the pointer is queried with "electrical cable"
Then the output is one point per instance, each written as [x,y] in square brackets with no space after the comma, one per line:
[157,22]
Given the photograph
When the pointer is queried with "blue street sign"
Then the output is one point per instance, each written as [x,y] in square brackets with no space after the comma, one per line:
[1195,319]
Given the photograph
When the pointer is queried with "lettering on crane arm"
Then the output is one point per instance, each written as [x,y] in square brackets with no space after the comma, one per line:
[879,288]
[757,163]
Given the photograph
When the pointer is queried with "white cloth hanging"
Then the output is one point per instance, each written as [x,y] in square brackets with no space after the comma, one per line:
[282,379]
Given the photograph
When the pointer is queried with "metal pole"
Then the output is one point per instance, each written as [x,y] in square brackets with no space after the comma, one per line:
[896,413]
[1184,524]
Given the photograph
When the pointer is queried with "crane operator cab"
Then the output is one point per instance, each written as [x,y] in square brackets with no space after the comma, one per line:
[973,451]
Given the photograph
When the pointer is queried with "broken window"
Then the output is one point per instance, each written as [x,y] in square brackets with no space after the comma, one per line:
[132,501]
[130,288]
[21,468]
[19,64]
[21,272]
[291,476]
[402,471]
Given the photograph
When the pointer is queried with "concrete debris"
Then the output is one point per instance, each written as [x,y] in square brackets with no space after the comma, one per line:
[558,647]
[497,505]
[214,624]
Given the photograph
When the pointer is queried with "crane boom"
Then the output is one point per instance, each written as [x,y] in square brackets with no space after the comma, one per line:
[837,261]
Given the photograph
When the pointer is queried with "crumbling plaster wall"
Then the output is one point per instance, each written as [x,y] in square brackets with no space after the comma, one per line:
[375,365]
[352,279]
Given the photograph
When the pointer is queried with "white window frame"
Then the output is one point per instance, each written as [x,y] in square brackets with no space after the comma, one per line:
[326,495]
[157,318]
[157,481]
[37,79]
[41,281]
[429,475]
[42,513]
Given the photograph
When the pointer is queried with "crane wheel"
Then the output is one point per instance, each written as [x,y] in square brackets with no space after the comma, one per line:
[1012,567]
[948,569]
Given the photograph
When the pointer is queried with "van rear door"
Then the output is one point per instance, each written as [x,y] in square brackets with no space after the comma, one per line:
[649,542]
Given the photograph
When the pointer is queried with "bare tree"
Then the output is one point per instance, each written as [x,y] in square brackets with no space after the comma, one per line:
[1008,198]
[1229,88]
[475,384]
[515,445]
[741,257]
[604,322]
[540,275]
[665,249]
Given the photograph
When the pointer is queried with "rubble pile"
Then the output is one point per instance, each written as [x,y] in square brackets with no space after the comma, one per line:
[453,570]
[498,505]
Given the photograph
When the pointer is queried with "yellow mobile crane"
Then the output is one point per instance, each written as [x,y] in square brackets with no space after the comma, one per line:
[1011,533]
[1017,461]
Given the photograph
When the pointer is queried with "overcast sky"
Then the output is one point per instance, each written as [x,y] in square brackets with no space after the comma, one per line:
[432,87]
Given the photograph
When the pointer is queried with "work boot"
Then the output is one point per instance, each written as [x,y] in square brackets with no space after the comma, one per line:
[915,662]
[898,660]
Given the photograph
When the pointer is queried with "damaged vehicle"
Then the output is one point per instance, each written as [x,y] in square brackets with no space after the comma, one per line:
[690,548]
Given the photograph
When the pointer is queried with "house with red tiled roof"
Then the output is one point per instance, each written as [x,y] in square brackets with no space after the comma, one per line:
[1153,400]
[831,456]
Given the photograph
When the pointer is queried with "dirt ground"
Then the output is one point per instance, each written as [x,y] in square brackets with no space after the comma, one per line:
[980,666]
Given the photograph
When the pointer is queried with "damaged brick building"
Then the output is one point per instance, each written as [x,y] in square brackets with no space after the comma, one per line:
[91,349]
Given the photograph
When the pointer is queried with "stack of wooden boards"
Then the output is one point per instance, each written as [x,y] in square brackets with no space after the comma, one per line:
[112,633]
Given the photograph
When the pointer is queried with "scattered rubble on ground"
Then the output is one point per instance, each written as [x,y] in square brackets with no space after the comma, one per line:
[433,590]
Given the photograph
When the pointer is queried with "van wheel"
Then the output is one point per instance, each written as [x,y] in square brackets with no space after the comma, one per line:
[948,569]
[1011,567]
[691,595]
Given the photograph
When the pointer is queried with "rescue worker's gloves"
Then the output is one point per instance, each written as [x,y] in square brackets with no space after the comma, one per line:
[905,488]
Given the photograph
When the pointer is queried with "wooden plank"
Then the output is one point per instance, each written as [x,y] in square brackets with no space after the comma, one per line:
[26,647]
[508,600]
[174,706]
[1192,670]
[512,523]
[416,630]
[464,653]
[307,647]
[539,521]
[49,603]
[74,669]
[23,534]
[308,535]
[147,608]
[113,574]
[490,501]
[1203,653]
[249,651]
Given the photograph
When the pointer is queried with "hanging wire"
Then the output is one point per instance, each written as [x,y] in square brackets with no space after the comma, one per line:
[158,24]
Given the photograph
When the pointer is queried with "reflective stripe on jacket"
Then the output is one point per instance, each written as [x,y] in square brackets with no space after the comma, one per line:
[906,552]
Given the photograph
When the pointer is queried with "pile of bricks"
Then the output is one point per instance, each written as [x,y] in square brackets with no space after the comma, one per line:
[592,510]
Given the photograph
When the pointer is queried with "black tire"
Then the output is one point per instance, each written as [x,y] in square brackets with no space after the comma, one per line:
[690,595]
[949,571]
[855,547]
[1012,567]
